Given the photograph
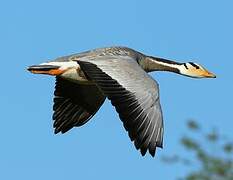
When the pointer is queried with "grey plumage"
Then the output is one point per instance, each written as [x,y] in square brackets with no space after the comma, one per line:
[115,73]
[84,80]
[138,105]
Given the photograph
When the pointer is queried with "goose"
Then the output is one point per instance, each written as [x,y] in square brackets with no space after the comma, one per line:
[84,80]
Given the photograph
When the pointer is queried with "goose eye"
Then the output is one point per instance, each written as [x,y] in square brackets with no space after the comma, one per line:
[185,65]
[194,65]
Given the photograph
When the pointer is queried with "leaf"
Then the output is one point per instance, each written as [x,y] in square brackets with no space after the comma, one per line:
[190,143]
[213,136]
[193,125]
[228,147]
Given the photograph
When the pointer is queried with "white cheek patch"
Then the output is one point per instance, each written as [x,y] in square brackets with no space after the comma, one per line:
[191,71]
[184,69]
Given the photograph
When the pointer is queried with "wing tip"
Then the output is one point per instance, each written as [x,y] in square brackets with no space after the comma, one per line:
[151,150]
[56,131]
[144,152]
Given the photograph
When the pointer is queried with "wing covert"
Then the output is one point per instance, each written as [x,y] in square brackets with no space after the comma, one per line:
[134,94]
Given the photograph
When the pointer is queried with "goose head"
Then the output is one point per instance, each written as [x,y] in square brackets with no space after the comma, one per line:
[195,70]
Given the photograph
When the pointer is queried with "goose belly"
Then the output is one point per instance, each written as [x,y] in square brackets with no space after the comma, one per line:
[75,75]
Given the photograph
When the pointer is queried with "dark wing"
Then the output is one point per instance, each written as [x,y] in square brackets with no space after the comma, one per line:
[133,93]
[74,104]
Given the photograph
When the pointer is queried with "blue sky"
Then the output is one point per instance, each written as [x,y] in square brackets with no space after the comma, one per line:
[34,31]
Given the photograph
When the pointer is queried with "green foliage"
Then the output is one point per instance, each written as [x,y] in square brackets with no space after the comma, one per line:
[228,148]
[193,125]
[213,154]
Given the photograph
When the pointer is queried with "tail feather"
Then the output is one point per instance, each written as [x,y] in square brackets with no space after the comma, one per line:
[45,69]
[42,67]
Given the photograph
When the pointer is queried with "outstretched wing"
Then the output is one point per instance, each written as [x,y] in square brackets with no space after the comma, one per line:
[74,104]
[134,94]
